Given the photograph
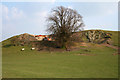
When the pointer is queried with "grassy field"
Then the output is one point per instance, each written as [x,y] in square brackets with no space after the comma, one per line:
[100,63]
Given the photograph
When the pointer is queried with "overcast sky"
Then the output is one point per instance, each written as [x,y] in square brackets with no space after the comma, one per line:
[30,17]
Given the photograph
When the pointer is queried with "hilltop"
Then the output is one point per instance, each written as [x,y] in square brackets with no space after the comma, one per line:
[19,40]
[87,36]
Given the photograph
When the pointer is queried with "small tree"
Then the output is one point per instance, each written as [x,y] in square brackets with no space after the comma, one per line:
[63,23]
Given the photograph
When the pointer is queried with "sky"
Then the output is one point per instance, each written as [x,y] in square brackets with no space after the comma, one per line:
[30,17]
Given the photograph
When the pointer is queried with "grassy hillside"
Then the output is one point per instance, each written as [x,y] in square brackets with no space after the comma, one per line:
[86,60]
[100,63]
[113,40]
[19,40]
[7,42]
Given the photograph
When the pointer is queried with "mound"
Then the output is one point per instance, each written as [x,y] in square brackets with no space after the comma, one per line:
[19,40]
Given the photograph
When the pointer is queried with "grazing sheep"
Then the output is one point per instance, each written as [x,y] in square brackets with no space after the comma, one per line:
[32,48]
[22,49]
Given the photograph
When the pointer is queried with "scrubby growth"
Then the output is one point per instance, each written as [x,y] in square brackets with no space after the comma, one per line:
[92,36]
[23,39]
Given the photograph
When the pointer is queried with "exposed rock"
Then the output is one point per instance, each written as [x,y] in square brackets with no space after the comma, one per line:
[97,36]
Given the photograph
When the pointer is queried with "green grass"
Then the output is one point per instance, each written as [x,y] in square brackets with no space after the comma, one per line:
[115,38]
[35,64]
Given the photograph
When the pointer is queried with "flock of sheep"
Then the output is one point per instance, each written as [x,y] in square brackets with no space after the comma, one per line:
[24,49]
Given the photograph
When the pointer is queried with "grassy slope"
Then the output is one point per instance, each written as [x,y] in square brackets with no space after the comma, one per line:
[115,37]
[7,42]
[35,64]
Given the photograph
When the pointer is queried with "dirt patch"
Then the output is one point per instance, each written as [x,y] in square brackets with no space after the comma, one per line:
[111,46]
[83,44]
[116,54]
[86,54]
[50,49]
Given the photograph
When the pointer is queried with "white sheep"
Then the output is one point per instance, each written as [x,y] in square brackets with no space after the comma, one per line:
[32,48]
[22,49]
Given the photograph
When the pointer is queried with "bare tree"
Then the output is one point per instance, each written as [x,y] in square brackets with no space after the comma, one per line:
[63,23]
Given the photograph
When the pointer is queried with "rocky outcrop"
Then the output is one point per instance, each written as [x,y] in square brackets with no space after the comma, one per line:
[97,36]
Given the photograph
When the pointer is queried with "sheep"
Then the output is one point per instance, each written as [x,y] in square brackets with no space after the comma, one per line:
[32,48]
[22,49]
